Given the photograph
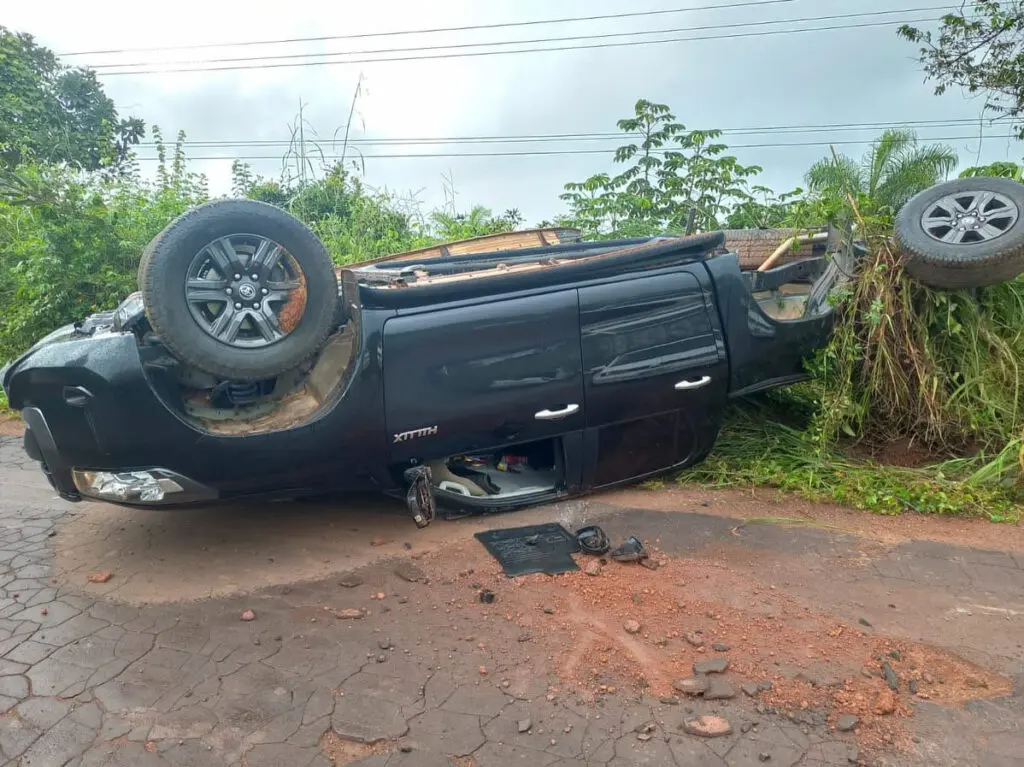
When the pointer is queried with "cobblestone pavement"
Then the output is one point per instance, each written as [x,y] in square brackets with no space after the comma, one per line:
[89,682]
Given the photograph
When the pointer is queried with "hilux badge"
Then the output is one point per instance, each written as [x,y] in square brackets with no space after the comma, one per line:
[405,436]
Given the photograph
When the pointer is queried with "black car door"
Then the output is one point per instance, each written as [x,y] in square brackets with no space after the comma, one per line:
[475,377]
[655,373]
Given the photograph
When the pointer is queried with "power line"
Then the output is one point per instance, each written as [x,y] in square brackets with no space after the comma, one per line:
[363,35]
[560,137]
[323,56]
[544,153]
[474,54]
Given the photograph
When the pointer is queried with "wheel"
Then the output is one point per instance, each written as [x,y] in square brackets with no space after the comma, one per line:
[239,289]
[966,233]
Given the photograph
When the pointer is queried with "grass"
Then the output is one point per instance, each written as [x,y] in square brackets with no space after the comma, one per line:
[756,449]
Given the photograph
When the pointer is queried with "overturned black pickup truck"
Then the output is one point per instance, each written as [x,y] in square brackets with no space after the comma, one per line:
[479,376]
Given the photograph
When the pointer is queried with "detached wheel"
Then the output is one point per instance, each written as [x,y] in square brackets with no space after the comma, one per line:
[239,289]
[966,233]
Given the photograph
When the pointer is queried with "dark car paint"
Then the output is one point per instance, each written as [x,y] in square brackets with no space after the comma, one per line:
[475,359]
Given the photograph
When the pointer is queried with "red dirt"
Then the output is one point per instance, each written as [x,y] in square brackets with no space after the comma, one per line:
[771,637]
[11,426]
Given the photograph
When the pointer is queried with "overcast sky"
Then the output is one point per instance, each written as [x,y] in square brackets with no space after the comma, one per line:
[842,76]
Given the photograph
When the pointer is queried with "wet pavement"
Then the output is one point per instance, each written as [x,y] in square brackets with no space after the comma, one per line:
[89,680]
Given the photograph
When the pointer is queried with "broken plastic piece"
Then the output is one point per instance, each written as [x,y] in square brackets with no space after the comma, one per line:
[420,497]
[631,551]
[593,540]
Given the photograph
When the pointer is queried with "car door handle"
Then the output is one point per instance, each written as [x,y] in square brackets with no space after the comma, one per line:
[687,385]
[554,415]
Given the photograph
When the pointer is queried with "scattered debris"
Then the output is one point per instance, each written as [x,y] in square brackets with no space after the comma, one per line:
[750,690]
[593,568]
[712,666]
[350,580]
[708,727]
[349,613]
[631,627]
[650,564]
[632,550]
[99,577]
[487,596]
[593,540]
[384,644]
[719,647]
[864,622]
[524,725]
[482,670]
[764,756]
[248,615]
[532,549]
[694,639]
[846,723]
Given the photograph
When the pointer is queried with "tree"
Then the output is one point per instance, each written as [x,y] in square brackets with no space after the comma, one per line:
[56,115]
[979,48]
[672,172]
[890,173]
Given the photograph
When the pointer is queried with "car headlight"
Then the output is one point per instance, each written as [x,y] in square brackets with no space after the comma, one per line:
[151,486]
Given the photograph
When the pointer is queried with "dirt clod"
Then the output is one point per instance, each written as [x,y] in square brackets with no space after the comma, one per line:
[694,639]
[350,580]
[885,703]
[349,613]
[593,568]
[632,626]
[708,727]
[248,615]
[99,577]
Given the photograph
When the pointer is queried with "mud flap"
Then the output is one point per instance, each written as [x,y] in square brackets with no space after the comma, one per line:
[420,496]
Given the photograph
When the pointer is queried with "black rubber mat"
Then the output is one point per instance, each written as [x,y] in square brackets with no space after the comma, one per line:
[532,549]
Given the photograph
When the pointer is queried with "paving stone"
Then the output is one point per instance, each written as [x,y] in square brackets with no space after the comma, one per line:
[59,744]
[43,712]
[484,700]
[366,719]
[187,724]
[280,755]
[16,735]
[14,687]
[445,732]
[54,677]
[746,753]
[137,755]
[29,652]
[501,754]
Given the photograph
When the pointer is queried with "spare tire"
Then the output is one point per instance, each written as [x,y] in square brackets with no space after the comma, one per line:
[239,289]
[966,233]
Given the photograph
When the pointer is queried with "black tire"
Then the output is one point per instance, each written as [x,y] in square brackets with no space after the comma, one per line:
[164,269]
[975,262]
